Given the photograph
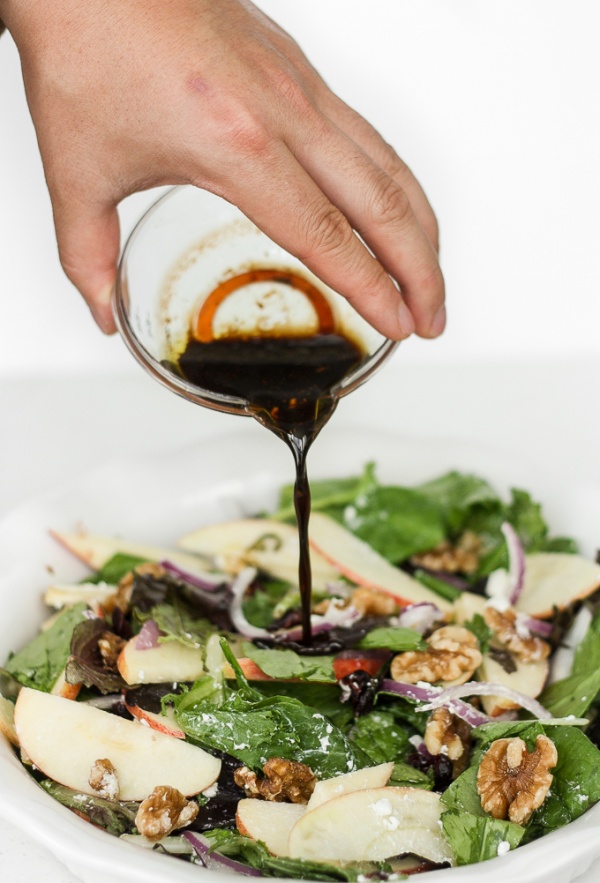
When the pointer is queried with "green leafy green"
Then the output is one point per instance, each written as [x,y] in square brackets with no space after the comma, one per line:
[325,698]
[43,659]
[253,728]
[115,817]
[475,838]
[437,585]
[179,624]
[255,854]
[85,664]
[406,776]
[396,639]
[380,736]
[456,494]
[286,664]
[577,693]
[330,495]
[115,568]
[259,607]
[481,630]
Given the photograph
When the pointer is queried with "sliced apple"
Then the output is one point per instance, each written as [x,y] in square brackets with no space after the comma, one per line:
[64,689]
[7,721]
[163,723]
[95,550]
[372,825]
[359,563]
[556,579]
[66,595]
[370,777]
[268,822]
[467,605]
[64,739]
[271,546]
[529,679]
[171,661]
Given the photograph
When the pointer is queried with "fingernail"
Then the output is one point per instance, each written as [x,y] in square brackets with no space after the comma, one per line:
[439,322]
[405,320]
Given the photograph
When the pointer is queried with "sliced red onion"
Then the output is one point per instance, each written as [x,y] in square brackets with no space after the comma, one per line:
[148,636]
[516,561]
[238,589]
[215,860]
[451,579]
[535,626]
[420,617]
[428,694]
[450,695]
[210,582]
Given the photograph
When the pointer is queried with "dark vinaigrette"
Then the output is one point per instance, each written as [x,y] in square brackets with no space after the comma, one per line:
[288,382]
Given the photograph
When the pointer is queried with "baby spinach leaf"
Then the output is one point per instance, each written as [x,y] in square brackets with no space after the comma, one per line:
[259,607]
[572,695]
[254,728]
[476,838]
[115,817]
[253,853]
[178,623]
[437,585]
[40,662]
[462,794]
[325,698]
[286,664]
[406,776]
[329,495]
[380,736]
[115,568]
[392,638]
[481,630]
[456,494]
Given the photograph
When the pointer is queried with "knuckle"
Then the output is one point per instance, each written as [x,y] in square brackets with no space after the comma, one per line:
[245,134]
[288,88]
[389,203]
[392,165]
[328,232]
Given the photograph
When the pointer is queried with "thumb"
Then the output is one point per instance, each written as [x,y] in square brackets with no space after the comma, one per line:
[88,239]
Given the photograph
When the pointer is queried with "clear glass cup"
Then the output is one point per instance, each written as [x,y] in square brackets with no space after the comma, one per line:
[186,245]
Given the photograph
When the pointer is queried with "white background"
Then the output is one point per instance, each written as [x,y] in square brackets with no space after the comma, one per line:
[493,103]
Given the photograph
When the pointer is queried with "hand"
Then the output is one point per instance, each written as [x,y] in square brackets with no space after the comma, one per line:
[127,96]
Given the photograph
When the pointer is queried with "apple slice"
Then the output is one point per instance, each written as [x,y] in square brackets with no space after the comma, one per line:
[64,739]
[556,579]
[163,723]
[65,595]
[7,721]
[268,822]
[271,546]
[359,563]
[529,679]
[370,777]
[95,550]
[62,688]
[171,661]
[372,825]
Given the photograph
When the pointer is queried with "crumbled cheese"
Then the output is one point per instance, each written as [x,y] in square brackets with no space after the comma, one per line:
[503,847]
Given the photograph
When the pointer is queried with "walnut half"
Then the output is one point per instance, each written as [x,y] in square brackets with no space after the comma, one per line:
[164,811]
[508,631]
[452,657]
[284,781]
[103,779]
[513,782]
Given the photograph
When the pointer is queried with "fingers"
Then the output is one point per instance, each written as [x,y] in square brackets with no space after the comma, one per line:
[382,212]
[284,201]
[88,244]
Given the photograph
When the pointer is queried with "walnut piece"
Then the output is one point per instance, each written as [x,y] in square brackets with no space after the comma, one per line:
[110,645]
[512,782]
[103,779]
[460,558]
[512,634]
[452,657]
[164,811]
[442,735]
[370,602]
[284,781]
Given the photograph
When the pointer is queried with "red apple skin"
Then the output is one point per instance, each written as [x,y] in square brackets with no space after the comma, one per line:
[155,721]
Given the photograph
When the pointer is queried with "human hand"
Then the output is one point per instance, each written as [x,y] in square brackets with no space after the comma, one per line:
[128,96]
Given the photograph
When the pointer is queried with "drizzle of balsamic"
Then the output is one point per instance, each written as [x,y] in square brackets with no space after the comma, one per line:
[288,383]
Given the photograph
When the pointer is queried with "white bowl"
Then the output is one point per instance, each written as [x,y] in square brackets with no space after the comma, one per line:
[155,500]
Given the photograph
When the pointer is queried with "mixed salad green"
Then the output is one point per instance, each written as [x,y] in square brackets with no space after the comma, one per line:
[445,714]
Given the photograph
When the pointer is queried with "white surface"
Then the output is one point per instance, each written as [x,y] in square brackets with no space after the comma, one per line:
[57,429]
[494,105]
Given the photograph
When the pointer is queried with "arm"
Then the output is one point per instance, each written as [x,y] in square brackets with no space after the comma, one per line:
[127,96]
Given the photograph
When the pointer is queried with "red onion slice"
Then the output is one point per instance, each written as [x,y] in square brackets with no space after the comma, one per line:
[148,636]
[216,860]
[238,589]
[210,582]
[428,694]
[448,697]
[516,561]
[535,626]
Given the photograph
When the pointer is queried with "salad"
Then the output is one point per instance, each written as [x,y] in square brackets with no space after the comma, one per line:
[445,714]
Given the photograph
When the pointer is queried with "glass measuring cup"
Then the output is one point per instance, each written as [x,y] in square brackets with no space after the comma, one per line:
[191,243]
